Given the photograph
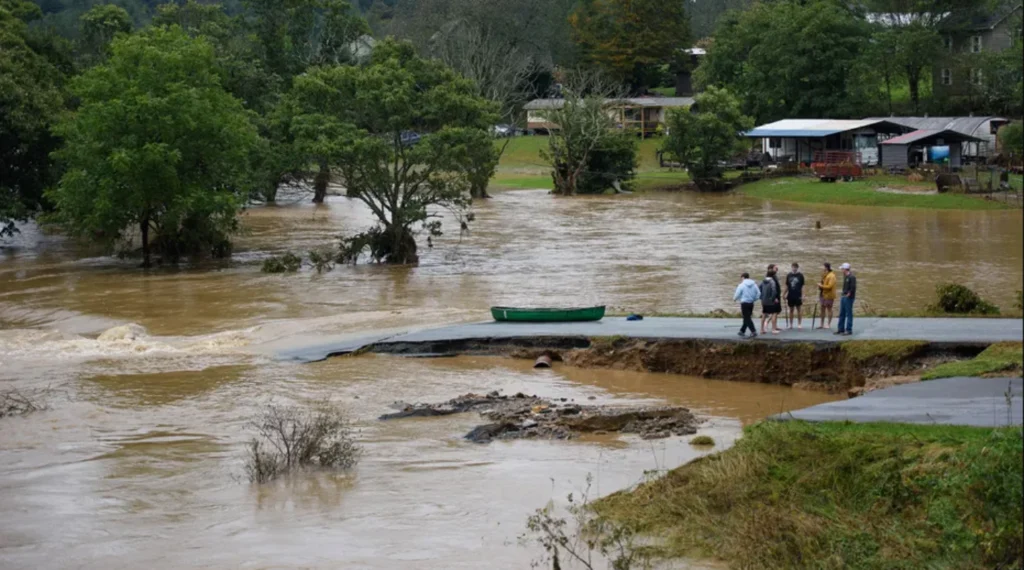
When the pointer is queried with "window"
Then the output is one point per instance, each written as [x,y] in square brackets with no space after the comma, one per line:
[975,44]
[947,76]
[947,42]
[975,76]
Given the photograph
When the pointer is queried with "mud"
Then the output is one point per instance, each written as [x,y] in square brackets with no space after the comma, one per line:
[807,365]
[531,417]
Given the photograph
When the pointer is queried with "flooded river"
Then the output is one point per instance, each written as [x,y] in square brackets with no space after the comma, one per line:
[137,463]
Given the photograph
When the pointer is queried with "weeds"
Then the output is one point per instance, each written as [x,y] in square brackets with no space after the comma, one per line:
[287,263]
[703,441]
[292,437]
[322,259]
[583,539]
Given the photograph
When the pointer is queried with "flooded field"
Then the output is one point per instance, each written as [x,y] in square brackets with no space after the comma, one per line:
[138,462]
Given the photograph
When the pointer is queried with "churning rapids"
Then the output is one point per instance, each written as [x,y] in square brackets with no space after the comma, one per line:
[137,463]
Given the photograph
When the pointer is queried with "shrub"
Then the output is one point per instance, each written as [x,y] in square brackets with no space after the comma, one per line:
[322,259]
[702,441]
[958,299]
[287,263]
[292,437]
[1019,303]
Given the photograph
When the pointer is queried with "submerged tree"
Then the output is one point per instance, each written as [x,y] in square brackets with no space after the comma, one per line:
[158,146]
[403,133]
[701,140]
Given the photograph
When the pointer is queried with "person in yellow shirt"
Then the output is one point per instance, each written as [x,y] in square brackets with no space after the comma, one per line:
[827,297]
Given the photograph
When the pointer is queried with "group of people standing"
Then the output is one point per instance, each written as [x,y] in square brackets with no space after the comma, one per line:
[770,294]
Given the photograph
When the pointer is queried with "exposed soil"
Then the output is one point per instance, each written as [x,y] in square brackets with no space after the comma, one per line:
[532,417]
[816,366]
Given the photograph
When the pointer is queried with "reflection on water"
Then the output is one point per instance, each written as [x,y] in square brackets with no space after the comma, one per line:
[137,463]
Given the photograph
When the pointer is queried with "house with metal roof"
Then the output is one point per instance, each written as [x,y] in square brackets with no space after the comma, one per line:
[912,149]
[800,139]
[983,129]
[642,114]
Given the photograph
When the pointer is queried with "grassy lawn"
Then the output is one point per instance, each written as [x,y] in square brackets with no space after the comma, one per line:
[860,193]
[1002,357]
[835,495]
[522,167]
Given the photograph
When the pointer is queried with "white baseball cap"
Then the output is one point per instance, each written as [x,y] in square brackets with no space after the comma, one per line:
[844,266]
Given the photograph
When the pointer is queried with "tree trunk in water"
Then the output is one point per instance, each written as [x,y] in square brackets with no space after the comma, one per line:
[476,191]
[320,184]
[144,228]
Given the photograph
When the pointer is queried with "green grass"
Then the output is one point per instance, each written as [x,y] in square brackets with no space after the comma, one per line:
[1002,357]
[521,167]
[833,495]
[859,193]
[864,350]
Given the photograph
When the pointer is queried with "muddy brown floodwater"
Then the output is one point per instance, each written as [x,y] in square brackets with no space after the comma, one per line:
[136,463]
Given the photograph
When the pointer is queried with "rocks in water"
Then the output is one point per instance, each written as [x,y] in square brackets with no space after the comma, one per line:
[531,417]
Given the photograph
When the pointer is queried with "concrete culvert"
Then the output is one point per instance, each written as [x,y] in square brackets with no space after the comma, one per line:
[543,361]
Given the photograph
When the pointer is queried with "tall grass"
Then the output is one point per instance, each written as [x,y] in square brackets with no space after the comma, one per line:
[831,496]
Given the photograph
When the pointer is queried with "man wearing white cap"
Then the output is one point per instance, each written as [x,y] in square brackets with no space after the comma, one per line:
[846,302]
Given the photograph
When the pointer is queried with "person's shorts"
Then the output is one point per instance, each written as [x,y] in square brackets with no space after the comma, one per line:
[827,303]
[794,301]
[773,309]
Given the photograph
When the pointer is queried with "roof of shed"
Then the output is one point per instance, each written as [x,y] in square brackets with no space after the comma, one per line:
[817,128]
[965,125]
[922,136]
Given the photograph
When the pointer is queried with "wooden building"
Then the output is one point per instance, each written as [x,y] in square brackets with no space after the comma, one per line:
[640,114]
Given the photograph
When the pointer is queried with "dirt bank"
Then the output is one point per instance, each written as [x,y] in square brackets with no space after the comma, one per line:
[835,367]
[531,417]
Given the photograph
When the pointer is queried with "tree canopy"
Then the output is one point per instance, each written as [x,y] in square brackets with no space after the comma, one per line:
[701,140]
[31,98]
[789,59]
[629,39]
[400,131]
[158,146]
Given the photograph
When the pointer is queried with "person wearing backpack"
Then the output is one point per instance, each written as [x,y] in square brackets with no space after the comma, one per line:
[771,301]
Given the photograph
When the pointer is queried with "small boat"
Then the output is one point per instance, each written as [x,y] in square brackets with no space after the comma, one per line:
[538,315]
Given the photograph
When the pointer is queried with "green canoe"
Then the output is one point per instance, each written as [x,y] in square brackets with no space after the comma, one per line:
[547,315]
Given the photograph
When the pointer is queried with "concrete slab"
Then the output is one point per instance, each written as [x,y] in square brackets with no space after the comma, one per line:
[985,402]
[961,331]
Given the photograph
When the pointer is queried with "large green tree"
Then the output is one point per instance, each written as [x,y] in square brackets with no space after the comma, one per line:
[31,99]
[789,59]
[157,147]
[297,34]
[701,140]
[99,26]
[360,120]
[630,39]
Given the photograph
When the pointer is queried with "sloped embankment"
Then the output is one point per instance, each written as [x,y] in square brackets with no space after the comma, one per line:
[827,366]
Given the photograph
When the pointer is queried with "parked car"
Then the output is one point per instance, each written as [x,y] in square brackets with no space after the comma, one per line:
[505,130]
[409,138]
